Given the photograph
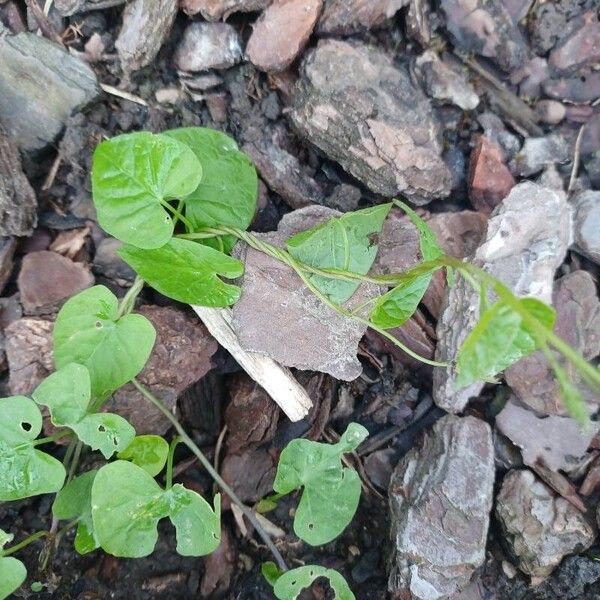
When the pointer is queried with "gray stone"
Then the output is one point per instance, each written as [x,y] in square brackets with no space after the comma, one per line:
[208,46]
[586,226]
[279,317]
[578,323]
[440,499]
[146,25]
[70,7]
[541,528]
[34,114]
[109,264]
[540,152]
[523,251]
[559,442]
[344,17]
[363,111]
[445,81]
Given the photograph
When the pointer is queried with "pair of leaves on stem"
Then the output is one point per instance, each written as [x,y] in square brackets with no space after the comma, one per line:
[331,492]
[134,178]
[12,571]
[74,501]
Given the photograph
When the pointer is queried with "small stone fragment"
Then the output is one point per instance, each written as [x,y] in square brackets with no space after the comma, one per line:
[33,114]
[541,528]
[363,111]
[72,243]
[281,33]
[550,111]
[109,264]
[208,46]
[344,17]
[18,204]
[68,8]
[486,28]
[537,248]
[214,10]
[582,88]
[558,442]
[250,474]
[146,25]
[440,500]
[181,356]
[539,152]
[276,307]
[587,224]
[578,323]
[29,354]
[490,181]
[445,81]
[581,49]
[47,280]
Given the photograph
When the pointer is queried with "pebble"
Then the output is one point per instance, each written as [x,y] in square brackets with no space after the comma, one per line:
[550,111]
[215,10]
[540,152]
[344,17]
[587,224]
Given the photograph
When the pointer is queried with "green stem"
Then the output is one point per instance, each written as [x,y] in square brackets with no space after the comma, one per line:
[175,212]
[128,301]
[52,438]
[75,461]
[24,543]
[185,438]
[169,476]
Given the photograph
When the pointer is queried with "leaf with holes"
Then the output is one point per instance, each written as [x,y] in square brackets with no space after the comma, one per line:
[24,471]
[127,505]
[331,491]
[499,339]
[348,242]
[133,178]
[148,452]
[187,272]
[12,571]
[290,584]
[67,393]
[89,331]
[227,193]
[74,501]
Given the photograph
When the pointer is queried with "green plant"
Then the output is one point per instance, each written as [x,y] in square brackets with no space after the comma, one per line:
[179,201]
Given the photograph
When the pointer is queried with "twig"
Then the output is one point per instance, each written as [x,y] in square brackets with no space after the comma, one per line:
[185,438]
[576,159]
[42,20]
[113,91]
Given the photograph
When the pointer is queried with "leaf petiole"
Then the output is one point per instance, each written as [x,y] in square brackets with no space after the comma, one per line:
[169,476]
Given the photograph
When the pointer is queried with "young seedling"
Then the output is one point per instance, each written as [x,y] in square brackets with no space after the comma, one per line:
[179,201]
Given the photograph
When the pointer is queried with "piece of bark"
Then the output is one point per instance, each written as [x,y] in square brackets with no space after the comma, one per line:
[70,7]
[213,10]
[8,246]
[10,311]
[281,33]
[277,381]
[363,111]
[33,114]
[344,17]
[146,25]
[18,204]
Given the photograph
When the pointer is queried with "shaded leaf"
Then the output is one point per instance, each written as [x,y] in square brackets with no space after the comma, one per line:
[331,491]
[114,350]
[187,272]
[106,432]
[133,175]
[148,452]
[348,242]
[24,471]
[12,570]
[289,585]
[127,505]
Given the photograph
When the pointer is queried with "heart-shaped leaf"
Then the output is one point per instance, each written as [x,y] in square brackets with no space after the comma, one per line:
[348,242]
[12,571]
[290,584]
[127,505]
[331,491]
[88,331]
[227,193]
[187,272]
[74,501]
[24,471]
[133,177]
[67,394]
[148,452]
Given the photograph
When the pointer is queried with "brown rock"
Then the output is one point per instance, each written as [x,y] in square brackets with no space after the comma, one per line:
[578,323]
[343,17]
[490,181]
[47,280]
[146,25]
[109,264]
[180,357]
[250,474]
[580,49]
[18,203]
[214,10]
[10,311]
[281,33]
[363,111]
[29,354]
[251,416]
[71,243]
[219,567]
